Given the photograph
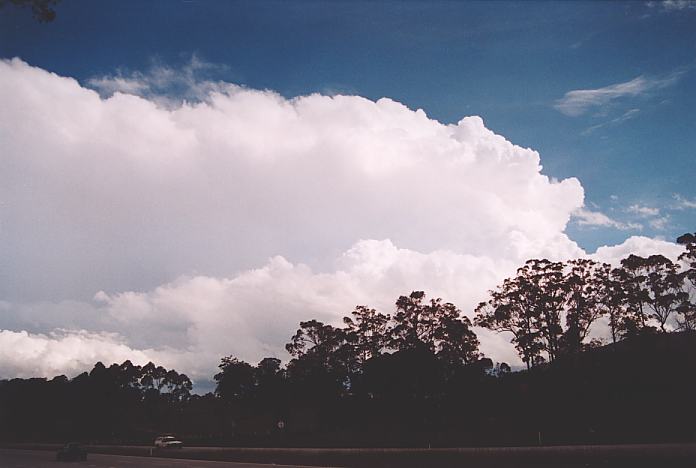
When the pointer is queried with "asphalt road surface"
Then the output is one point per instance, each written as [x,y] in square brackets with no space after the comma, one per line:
[11,458]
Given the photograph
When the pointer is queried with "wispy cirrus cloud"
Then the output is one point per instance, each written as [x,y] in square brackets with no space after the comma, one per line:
[162,83]
[660,224]
[628,115]
[683,202]
[585,217]
[579,101]
[674,5]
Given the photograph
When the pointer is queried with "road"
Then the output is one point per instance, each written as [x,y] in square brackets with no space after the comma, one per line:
[12,458]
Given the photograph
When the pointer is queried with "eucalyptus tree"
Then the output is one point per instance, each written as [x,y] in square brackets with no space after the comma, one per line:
[323,360]
[512,309]
[613,300]
[316,339]
[153,377]
[666,292]
[545,282]
[235,381]
[413,324]
[633,275]
[655,289]
[178,386]
[436,326]
[269,377]
[368,332]
[583,285]
[531,307]
[687,313]
[455,342]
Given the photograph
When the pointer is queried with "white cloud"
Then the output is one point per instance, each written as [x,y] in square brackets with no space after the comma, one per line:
[637,245]
[579,101]
[674,5]
[142,225]
[162,84]
[120,194]
[628,115]
[60,352]
[679,4]
[253,314]
[585,217]
[644,211]
[684,203]
[660,223]
[109,85]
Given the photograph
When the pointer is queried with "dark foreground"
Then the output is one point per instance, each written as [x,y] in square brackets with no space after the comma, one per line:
[14,458]
[646,455]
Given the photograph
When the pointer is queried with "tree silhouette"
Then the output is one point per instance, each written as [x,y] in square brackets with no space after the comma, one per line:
[612,299]
[687,311]
[655,288]
[666,293]
[416,376]
[512,308]
[455,342]
[583,286]
[367,331]
[414,324]
[42,10]
[316,339]
[235,381]
[544,282]
[632,275]
[436,326]
[269,378]
[323,361]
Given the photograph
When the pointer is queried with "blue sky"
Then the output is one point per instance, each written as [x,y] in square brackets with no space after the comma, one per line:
[145,229]
[508,62]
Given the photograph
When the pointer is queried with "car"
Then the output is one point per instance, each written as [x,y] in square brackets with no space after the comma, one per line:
[71,452]
[168,442]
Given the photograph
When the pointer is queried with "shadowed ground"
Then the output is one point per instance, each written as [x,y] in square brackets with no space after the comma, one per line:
[13,458]
[646,455]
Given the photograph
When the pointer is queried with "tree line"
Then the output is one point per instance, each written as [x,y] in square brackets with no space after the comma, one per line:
[421,364]
[549,307]
[107,403]
[416,376]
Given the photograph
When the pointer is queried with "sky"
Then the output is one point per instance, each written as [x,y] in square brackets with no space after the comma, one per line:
[184,180]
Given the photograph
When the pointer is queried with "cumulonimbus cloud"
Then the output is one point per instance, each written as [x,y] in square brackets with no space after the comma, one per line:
[190,323]
[60,352]
[145,223]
